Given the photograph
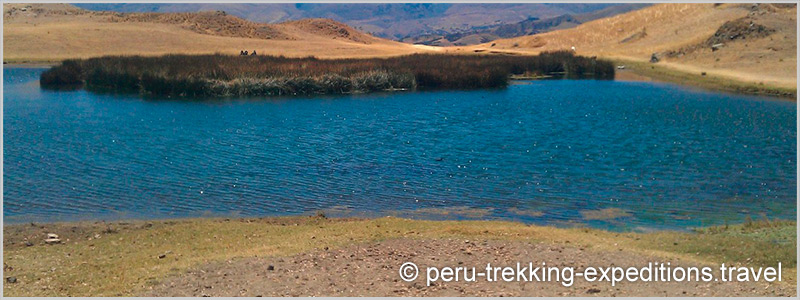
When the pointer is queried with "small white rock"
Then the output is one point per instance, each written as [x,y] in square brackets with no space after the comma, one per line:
[52,241]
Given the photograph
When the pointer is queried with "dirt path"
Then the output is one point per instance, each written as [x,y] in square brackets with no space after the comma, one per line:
[372,270]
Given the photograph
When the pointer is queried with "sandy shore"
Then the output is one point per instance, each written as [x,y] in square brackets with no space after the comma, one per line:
[630,75]
[645,71]
[317,256]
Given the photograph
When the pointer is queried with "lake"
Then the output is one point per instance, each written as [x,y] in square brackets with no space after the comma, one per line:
[605,154]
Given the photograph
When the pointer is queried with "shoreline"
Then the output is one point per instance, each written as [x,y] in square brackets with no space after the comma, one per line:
[43,65]
[634,71]
[144,256]
[653,72]
[457,214]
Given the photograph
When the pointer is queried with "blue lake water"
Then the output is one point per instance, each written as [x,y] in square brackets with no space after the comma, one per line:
[607,154]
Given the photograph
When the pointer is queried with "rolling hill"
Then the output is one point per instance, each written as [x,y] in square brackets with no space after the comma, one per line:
[746,42]
[53,32]
[530,26]
[387,20]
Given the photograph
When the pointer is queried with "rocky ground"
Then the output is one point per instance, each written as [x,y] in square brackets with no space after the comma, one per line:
[318,256]
[372,270]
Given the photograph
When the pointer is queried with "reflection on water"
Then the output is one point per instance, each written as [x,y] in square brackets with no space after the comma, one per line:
[606,154]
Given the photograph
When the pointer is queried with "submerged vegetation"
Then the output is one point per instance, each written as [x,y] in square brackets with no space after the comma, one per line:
[222,75]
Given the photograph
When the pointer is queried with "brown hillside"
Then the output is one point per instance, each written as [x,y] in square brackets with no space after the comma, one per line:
[759,42]
[329,28]
[53,32]
[212,23]
[14,11]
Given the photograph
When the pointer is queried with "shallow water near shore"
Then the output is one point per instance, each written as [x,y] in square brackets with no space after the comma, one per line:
[606,154]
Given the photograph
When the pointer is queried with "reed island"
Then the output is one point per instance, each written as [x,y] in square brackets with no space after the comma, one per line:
[229,75]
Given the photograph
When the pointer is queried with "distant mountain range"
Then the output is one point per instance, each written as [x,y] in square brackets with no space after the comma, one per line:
[530,26]
[423,23]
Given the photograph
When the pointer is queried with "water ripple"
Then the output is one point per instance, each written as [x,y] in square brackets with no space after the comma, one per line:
[630,155]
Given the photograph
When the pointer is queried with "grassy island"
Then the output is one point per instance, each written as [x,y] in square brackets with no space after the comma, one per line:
[223,75]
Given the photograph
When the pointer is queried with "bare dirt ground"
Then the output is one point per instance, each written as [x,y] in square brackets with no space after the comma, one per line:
[315,255]
[372,270]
